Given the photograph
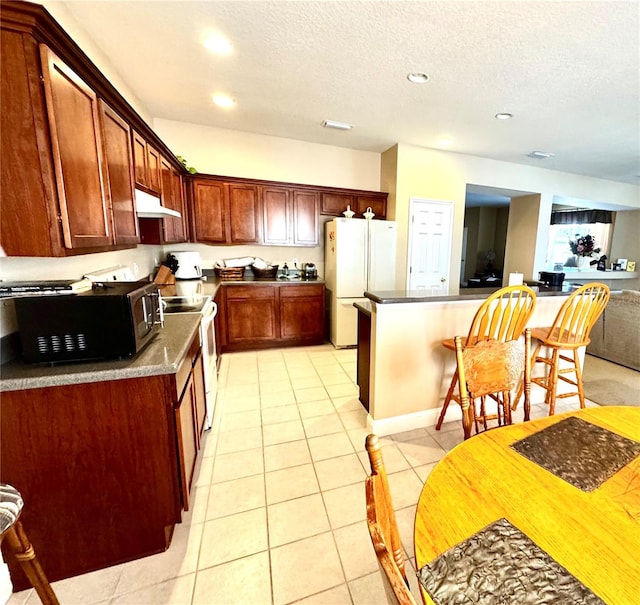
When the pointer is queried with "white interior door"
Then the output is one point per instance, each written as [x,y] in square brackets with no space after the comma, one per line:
[430,235]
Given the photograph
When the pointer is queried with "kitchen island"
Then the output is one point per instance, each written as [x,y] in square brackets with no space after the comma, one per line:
[408,370]
[104,452]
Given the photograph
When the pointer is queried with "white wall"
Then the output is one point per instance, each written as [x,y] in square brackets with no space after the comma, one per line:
[440,175]
[243,154]
[67,21]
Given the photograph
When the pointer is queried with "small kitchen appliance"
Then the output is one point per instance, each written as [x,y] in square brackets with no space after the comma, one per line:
[189,265]
[309,271]
[114,319]
[551,279]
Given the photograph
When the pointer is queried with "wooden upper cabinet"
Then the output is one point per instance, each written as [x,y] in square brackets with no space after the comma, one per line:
[224,213]
[174,231]
[208,212]
[147,163]
[290,216]
[140,162]
[72,109]
[335,203]
[276,215]
[378,206]
[154,168]
[117,146]
[243,214]
[305,218]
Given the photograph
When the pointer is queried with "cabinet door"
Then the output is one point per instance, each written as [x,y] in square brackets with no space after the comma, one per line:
[251,314]
[140,159]
[117,145]
[305,218]
[209,214]
[154,170]
[186,436]
[378,205]
[336,203]
[72,108]
[302,313]
[243,214]
[179,205]
[276,216]
[174,231]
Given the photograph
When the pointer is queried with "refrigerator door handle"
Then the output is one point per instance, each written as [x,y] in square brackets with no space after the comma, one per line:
[367,256]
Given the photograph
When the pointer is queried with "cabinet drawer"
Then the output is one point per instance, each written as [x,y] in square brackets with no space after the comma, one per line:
[299,291]
[241,292]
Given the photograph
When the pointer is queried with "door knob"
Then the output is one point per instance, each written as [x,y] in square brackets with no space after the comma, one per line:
[443,279]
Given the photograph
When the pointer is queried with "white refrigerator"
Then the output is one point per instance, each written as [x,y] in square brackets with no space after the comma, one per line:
[360,256]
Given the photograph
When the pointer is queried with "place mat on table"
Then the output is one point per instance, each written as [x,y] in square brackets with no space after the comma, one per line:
[500,564]
[581,453]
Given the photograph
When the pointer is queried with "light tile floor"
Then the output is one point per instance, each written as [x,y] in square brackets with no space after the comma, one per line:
[278,510]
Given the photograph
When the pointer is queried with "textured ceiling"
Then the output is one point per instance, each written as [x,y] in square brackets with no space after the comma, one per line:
[569,72]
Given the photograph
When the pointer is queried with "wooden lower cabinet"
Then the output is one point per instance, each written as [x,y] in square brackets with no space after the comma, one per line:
[302,313]
[185,414]
[270,315]
[104,468]
[251,315]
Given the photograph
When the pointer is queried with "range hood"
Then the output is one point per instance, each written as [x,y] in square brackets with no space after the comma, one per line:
[148,206]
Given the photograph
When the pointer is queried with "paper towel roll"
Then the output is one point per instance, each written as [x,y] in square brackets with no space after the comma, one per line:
[515,279]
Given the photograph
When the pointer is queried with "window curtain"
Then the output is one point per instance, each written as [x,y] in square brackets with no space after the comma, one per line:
[581,217]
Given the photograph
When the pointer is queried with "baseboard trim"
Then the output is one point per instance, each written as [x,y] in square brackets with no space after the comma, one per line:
[409,422]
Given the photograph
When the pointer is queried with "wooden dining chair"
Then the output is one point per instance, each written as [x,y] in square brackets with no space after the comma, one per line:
[383,528]
[502,317]
[12,534]
[489,372]
[569,332]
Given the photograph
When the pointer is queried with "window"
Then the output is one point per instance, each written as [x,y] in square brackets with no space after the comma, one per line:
[559,236]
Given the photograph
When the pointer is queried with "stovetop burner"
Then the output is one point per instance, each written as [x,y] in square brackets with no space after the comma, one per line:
[184,304]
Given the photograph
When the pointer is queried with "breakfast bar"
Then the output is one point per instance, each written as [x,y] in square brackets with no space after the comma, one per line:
[408,370]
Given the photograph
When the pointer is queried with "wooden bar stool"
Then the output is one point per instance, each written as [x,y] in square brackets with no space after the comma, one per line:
[569,332]
[502,317]
[18,544]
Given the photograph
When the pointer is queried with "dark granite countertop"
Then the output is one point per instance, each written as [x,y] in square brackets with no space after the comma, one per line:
[410,296]
[162,355]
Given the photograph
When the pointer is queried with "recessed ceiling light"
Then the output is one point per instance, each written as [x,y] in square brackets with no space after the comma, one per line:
[337,125]
[503,116]
[540,155]
[218,45]
[223,101]
[417,77]
[445,142]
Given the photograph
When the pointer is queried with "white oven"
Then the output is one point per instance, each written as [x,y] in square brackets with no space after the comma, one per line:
[209,357]
[196,302]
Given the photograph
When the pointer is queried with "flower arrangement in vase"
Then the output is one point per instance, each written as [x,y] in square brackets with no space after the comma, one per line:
[583,246]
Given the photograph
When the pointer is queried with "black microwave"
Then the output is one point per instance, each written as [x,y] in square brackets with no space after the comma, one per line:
[112,320]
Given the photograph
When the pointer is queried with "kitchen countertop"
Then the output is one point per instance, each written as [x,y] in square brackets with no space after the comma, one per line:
[410,296]
[162,355]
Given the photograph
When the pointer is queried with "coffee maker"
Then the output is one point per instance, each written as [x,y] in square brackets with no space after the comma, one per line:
[309,271]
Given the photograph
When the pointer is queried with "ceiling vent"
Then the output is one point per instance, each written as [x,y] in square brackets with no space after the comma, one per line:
[337,125]
[540,155]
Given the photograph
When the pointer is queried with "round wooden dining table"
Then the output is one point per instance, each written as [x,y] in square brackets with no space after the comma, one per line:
[595,535]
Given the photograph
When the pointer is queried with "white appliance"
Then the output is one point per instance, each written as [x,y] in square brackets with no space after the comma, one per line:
[189,265]
[360,256]
[194,302]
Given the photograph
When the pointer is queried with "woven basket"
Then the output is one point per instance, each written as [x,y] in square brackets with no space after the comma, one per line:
[268,273]
[229,273]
